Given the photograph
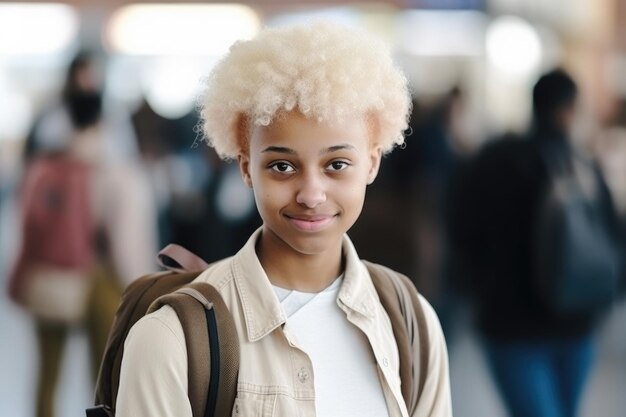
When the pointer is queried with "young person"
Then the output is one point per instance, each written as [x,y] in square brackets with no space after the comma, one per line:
[75,254]
[308,113]
[539,341]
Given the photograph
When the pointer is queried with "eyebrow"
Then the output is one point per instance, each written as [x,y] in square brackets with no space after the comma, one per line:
[279,149]
[336,148]
[289,151]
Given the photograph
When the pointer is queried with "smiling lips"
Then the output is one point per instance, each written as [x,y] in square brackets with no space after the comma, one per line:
[310,223]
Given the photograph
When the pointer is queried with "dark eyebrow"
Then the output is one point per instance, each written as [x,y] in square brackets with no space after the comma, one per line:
[279,149]
[289,151]
[336,148]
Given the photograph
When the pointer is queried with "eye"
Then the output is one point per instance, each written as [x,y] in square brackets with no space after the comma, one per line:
[282,167]
[338,165]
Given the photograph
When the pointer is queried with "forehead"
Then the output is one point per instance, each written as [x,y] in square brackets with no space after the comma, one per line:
[295,131]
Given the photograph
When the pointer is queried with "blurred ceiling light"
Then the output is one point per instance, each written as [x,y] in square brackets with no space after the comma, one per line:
[171,29]
[377,18]
[513,46]
[171,85]
[36,28]
[344,15]
[442,33]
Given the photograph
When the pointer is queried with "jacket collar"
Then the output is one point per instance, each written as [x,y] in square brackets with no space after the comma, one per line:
[262,310]
[357,292]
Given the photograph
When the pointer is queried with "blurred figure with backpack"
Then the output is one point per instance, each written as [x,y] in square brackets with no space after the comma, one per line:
[533,226]
[78,211]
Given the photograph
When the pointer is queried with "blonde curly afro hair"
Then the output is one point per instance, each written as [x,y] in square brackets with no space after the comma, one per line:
[325,71]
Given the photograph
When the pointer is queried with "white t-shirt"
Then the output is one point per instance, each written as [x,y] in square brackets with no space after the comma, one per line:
[345,372]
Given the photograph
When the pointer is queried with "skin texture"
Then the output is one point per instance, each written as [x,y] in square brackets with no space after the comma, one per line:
[309,180]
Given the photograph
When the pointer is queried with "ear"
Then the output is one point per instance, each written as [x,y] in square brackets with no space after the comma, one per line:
[376,154]
[244,169]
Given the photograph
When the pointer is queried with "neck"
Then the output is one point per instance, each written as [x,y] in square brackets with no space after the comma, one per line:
[290,269]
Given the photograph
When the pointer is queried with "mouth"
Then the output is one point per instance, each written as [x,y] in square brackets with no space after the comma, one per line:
[310,223]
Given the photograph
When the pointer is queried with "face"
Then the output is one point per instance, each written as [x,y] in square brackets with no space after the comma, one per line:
[309,181]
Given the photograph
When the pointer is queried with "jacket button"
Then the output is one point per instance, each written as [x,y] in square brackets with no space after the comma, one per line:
[303,375]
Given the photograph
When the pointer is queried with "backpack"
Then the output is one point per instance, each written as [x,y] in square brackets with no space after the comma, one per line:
[576,258]
[58,230]
[57,216]
[213,383]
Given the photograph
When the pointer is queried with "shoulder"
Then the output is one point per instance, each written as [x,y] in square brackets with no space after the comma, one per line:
[385,278]
[435,333]
[405,296]
[153,375]
[395,289]
[155,350]
[160,330]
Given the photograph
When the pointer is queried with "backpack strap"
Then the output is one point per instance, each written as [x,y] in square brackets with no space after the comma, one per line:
[212,347]
[176,258]
[400,300]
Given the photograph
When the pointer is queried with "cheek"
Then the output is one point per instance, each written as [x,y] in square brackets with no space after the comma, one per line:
[352,195]
[269,195]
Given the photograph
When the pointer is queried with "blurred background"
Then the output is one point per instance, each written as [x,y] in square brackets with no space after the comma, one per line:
[471,65]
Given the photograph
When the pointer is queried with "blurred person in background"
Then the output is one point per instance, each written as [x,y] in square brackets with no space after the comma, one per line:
[533,227]
[87,226]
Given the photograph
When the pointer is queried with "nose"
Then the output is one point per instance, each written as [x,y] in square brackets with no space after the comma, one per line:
[311,191]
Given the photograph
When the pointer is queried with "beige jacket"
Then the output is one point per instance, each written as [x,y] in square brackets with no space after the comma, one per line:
[275,377]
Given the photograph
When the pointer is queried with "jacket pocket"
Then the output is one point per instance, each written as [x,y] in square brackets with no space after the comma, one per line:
[254,406]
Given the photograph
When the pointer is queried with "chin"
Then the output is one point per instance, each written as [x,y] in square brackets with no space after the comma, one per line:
[313,245]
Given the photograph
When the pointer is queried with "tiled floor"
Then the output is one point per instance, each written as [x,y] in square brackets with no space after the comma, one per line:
[474,395]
